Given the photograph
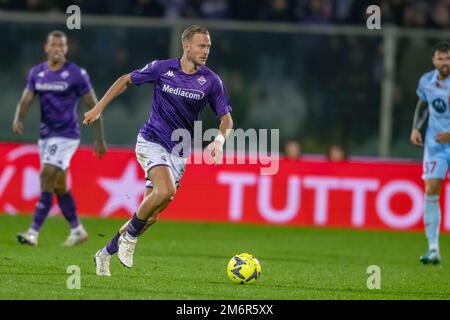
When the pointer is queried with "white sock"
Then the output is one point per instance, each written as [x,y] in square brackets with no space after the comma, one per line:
[432,220]
[104,251]
[33,232]
[76,229]
[129,236]
[434,246]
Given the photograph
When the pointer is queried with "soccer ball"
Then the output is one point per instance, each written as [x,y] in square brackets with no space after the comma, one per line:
[244,268]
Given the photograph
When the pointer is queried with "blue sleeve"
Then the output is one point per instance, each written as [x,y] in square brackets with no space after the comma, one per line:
[219,99]
[84,83]
[421,89]
[149,73]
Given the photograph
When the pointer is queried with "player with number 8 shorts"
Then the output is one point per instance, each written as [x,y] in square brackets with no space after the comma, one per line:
[60,84]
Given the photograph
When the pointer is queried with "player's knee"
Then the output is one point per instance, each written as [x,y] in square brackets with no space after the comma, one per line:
[432,190]
[166,193]
[48,180]
[60,191]
[432,187]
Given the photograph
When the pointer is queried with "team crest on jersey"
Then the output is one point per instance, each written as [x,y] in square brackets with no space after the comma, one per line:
[441,85]
[201,80]
[65,74]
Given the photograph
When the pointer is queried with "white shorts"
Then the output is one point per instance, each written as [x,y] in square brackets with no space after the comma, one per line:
[57,151]
[150,154]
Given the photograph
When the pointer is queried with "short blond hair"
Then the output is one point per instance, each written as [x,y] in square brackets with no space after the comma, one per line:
[189,32]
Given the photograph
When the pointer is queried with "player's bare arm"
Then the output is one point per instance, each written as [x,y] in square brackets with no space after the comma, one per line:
[121,84]
[216,147]
[90,99]
[420,115]
[22,110]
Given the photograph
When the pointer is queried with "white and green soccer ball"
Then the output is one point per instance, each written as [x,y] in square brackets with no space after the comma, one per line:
[244,268]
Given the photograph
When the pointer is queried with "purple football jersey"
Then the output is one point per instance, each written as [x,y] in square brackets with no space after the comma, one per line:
[178,100]
[59,93]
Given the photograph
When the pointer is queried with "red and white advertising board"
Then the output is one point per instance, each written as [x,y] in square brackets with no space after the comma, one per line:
[356,194]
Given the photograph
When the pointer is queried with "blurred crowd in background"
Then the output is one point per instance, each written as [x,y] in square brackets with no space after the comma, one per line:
[407,13]
[320,89]
[292,150]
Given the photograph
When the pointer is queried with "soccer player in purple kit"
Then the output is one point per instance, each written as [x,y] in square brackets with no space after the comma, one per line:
[60,84]
[183,87]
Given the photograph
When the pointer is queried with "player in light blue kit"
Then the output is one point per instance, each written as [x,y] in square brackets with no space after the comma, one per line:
[60,84]
[434,95]
[183,87]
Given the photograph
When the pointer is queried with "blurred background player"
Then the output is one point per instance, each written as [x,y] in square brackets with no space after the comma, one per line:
[293,150]
[434,94]
[183,87]
[336,153]
[59,84]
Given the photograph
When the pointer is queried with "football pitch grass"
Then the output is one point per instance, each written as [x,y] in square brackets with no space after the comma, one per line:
[187,260]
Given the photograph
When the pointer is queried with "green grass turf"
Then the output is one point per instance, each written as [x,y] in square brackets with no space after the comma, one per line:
[181,260]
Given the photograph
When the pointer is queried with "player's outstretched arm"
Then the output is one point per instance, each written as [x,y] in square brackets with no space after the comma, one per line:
[420,115]
[22,110]
[116,89]
[90,99]
[215,148]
